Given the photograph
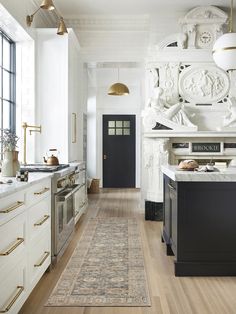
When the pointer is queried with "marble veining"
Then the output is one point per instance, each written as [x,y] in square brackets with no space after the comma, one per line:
[222,175]
[8,189]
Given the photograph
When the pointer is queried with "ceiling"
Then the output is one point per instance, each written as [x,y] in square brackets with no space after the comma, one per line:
[125,30]
[73,8]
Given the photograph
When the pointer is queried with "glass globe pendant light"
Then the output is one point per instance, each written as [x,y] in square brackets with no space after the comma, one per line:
[224,49]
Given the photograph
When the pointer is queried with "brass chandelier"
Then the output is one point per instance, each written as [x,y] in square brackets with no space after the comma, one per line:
[49,6]
[118,89]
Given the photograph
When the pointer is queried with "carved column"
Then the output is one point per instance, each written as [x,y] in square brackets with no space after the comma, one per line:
[155,155]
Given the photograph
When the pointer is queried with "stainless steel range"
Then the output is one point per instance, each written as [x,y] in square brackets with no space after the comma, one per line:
[63,190]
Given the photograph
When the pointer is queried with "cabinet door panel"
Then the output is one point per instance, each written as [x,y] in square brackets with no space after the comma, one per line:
[39,218]
[167,212]
[39,259]
[13,241]
[15,290]
[174,219]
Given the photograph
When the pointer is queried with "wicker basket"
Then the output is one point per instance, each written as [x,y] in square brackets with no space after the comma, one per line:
[94,187]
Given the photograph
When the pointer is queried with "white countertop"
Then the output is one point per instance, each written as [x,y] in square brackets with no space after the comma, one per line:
[34,177]
[223,175]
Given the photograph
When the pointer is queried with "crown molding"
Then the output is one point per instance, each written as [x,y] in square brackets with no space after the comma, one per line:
[109,22]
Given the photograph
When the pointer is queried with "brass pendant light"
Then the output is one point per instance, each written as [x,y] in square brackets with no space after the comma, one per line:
[118,89]
[61,27]
[49,6]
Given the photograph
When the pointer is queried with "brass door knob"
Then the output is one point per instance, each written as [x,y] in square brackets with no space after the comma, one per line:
[104,157]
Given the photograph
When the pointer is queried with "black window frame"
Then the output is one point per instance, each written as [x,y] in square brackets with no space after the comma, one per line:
[12,84]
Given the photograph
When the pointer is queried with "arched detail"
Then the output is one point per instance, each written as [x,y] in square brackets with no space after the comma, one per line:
[205,14]
[167,41]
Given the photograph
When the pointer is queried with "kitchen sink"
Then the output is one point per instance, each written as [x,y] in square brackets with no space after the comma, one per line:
[42,167]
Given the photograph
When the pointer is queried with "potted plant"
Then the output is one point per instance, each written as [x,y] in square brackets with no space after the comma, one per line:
[10,163]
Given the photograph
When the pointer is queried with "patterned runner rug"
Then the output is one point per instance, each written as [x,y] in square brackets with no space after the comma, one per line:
[106,268]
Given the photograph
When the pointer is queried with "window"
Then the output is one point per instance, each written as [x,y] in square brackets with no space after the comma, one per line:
[118,127]
[7,82]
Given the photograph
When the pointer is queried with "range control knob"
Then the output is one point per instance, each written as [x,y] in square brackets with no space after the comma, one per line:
[61,183]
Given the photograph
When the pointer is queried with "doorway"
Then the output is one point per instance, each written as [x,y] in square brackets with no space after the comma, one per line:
[119,151]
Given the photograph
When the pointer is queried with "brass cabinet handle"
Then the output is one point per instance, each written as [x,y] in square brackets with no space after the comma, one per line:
[20,289]
[104,157]
[171,187]
[42,192]
[42,221]
[12,207]
[13,247]
[43,259]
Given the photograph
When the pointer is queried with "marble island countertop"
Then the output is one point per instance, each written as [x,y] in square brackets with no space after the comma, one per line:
[220,175]
[9,188]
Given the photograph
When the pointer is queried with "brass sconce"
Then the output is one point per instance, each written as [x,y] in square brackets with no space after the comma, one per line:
[49,6]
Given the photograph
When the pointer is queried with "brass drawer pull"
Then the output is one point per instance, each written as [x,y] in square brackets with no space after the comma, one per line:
[13,247]
[20,289]
[12,207]
[43,259]
[42,192]
[42,221]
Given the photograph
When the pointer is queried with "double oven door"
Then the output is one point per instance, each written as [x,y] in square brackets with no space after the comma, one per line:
[64,217]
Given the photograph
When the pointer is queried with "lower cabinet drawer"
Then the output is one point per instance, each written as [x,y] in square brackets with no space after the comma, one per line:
[11,206]
[39,191]
[39,259]
[13,242]
[39,218]
[13,289]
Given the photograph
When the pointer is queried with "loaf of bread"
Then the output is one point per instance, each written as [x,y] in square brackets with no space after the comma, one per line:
[188,164]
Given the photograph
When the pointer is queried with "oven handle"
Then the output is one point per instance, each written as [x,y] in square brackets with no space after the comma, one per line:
[63,198]
[76,188]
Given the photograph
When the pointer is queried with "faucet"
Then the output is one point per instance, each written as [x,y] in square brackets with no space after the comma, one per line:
[33,128]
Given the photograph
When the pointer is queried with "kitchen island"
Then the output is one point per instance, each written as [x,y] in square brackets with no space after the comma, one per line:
[199,226]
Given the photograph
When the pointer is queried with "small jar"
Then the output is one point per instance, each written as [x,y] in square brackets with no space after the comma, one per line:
[22,176]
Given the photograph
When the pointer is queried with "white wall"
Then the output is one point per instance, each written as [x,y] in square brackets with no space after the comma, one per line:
[106,104]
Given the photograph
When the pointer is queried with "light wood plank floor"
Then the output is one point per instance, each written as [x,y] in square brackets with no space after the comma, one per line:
[169,294]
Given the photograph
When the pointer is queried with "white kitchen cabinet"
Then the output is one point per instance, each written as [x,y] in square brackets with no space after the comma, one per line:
[25,246]
[59,95]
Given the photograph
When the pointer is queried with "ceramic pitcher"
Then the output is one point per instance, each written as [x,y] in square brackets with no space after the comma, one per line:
[10,164]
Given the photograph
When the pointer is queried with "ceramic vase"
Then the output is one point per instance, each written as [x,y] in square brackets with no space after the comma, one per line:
[10,164]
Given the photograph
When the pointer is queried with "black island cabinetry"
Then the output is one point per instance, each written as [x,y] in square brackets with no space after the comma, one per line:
[199,227]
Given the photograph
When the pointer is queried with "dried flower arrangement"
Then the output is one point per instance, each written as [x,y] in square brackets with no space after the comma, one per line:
[8,139]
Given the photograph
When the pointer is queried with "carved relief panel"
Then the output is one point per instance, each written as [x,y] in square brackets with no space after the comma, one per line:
[203,84]
[169,76]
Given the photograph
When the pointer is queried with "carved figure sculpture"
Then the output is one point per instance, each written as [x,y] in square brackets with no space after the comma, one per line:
[182,40]
[230,118]
[156,109]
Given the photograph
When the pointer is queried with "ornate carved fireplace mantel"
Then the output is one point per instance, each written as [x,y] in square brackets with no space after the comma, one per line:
[191,109]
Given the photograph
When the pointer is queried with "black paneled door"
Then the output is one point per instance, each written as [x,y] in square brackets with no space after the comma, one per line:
[119,151]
